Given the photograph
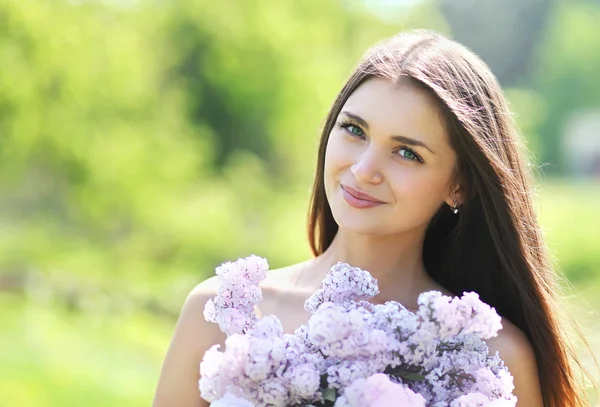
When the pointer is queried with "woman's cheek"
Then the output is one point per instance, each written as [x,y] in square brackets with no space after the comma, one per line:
[410,184]
[338,155]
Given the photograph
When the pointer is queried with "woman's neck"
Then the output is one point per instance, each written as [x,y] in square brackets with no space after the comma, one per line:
[395,261]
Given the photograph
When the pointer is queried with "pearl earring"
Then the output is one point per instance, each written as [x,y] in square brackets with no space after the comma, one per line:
[455,207]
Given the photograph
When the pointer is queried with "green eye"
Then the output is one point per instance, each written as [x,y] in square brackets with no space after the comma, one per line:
[355,130]
[408,154]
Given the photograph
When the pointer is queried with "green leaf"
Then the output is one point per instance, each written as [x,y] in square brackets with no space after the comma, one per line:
[329,394]
[413,377]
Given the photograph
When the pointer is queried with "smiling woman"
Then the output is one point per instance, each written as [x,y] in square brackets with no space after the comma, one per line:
[381,154]
[422,180]
[457,214]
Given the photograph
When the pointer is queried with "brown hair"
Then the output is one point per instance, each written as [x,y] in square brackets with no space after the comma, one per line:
[495,246]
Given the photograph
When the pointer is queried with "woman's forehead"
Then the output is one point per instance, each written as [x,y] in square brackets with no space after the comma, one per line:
[397,108]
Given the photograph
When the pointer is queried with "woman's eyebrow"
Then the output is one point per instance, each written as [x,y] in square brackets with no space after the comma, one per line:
[412,142]
[357,119]
[399,139]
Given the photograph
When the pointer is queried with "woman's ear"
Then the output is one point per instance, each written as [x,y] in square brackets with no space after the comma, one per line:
[455,196]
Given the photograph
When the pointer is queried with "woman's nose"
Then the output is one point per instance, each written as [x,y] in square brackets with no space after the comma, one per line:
[367,168]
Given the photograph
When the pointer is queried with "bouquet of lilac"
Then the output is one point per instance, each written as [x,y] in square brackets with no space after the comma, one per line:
[351,353]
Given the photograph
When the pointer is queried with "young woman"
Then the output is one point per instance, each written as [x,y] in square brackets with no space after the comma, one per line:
[422,180]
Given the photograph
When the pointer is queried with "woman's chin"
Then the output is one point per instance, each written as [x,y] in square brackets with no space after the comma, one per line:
[359,227]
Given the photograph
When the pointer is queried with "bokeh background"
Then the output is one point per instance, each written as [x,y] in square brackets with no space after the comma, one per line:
[144,142]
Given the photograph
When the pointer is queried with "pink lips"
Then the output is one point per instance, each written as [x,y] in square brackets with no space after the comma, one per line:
[358,199]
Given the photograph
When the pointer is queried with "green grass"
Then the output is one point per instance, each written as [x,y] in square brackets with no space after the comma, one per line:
[570,214]
[51,357]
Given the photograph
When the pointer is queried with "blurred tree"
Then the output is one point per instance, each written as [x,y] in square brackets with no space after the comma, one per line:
[252,71]
[504,33]
[166,137]
[163,137]
[567,72]
[229,73]
[93,148]
[543,47]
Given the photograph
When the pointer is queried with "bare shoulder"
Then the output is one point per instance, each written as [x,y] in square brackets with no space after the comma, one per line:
[205,290]
[192,311]
[518,355]
[283,276]
[512,345]
[282,281]
[193,336]
[284,295]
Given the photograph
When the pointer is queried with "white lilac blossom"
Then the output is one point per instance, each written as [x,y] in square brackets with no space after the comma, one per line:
[480,400]
[351,352]
[229,400]
[378,391]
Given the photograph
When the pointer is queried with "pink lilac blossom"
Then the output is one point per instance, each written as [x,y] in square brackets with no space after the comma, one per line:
[233,307]
[378,391]
[260,364]
[480,400]
[229,400]
[361,353]
[464,368]
[459,315]
[343,285]
[273,393]
[342,373]
[304,381]
[345,332]
[258,369]
[224,372]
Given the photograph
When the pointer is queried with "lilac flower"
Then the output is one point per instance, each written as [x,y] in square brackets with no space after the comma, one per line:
[250,367]
[266,327]
[212,387]
[343,285]
[471,400]
[223,372]
[338,331]
[345,372]
[233,307]
[230,400]
[459,315]
[304,381]
[493,385]
[273,393]
[363,354]
[231,321]
[378,391]
[266,356]
[503,403]
[251,270]
[481,400]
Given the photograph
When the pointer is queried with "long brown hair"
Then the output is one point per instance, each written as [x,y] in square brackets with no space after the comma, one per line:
[495,246]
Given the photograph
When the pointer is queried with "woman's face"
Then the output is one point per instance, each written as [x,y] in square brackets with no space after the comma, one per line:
[388,165]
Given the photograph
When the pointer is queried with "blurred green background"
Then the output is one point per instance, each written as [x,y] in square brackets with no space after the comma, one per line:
[144,142]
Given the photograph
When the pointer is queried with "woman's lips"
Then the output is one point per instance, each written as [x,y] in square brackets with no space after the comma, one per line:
[358,199]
